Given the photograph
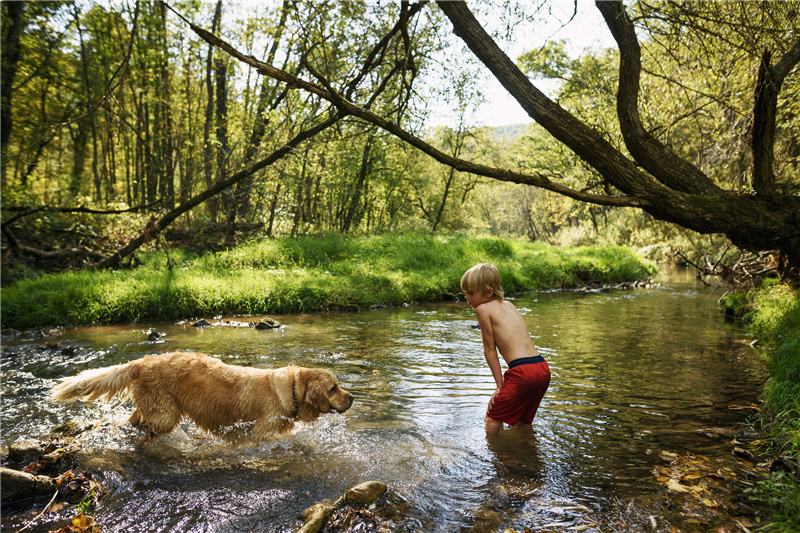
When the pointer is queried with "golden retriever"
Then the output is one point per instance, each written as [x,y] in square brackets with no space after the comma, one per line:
[232,402]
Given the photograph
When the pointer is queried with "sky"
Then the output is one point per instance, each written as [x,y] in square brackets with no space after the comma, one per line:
[586,30]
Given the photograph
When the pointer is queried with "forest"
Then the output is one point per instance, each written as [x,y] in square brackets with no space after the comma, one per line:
[131,124]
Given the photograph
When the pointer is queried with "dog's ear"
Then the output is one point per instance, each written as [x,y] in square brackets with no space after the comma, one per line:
[316,394]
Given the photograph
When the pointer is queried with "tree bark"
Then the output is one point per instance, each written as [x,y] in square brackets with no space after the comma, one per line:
[352,212]
[166,141]
[207,148]
[92,124]
[79,140]
[765,107]
[10,60]
[221,133]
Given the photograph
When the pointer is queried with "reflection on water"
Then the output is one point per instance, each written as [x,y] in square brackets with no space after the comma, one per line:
[632,371]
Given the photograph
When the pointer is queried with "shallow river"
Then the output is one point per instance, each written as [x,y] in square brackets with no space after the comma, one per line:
[634,372]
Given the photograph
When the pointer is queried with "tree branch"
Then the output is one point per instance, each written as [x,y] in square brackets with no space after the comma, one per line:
[348,108]
[380,47]
[765,107]
[671,170]
[587,143]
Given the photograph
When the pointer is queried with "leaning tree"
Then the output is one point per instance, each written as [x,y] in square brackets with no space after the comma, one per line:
[650,173]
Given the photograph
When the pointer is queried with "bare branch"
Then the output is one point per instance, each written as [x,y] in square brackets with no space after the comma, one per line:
[27,211]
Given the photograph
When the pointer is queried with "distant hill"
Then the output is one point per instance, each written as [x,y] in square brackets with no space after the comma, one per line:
[509,133]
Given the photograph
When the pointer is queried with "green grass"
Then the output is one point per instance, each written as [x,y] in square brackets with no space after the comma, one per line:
[772,312]
[304,274]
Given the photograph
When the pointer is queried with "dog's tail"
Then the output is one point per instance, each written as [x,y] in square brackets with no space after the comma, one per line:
[92,384]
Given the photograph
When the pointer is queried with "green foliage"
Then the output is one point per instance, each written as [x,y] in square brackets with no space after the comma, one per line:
[86,505]
[304,274]
[780,491]
[772,312]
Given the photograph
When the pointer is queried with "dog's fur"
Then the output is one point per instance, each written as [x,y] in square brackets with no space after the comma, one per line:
[232,402]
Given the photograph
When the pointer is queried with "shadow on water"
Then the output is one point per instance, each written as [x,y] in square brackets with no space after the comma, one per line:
[633,373]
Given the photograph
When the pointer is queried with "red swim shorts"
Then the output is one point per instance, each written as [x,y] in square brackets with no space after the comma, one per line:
[524,385]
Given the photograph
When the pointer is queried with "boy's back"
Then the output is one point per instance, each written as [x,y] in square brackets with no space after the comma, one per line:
[509,331]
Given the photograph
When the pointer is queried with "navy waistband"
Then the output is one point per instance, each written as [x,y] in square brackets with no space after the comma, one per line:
[525,361]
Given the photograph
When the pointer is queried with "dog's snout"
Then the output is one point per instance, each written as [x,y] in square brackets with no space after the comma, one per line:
[348,402]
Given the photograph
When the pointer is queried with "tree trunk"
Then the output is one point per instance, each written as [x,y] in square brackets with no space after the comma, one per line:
[165,131]
[221,132]
[187,154]
[79,140]
[440,211]
[207,148]
[10,60]
[352,212]
[267,100]
[88,93]
[273,208]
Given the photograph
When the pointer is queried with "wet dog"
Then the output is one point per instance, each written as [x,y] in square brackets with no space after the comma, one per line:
[232,402]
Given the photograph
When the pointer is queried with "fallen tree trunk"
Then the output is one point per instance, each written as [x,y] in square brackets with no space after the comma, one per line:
[55,255]
[18,485]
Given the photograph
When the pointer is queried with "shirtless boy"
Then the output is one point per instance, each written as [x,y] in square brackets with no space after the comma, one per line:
[521,388]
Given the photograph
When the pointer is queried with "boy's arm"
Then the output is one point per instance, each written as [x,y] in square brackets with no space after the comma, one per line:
[489,346]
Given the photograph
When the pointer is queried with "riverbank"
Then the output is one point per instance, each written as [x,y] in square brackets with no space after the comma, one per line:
[772,314]
[305,274]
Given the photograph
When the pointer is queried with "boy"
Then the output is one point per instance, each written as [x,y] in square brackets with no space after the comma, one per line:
[503,329]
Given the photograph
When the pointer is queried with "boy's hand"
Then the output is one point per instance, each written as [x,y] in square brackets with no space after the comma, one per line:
[491,400]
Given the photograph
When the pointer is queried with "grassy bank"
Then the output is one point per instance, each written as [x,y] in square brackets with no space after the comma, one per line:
[304,274]
[772,313]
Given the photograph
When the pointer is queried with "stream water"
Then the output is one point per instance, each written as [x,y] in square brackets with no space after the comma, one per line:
[633,372]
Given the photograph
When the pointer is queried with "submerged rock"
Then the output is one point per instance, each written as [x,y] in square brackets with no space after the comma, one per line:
[201,323]
[69,351]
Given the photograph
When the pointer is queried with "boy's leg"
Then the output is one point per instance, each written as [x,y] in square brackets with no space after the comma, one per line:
[524,429]
[493,427]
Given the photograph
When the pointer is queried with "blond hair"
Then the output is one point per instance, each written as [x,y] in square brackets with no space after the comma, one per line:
[481,278]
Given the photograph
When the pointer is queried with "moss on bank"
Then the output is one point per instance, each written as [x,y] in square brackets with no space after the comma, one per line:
[772,313]
[304,274]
